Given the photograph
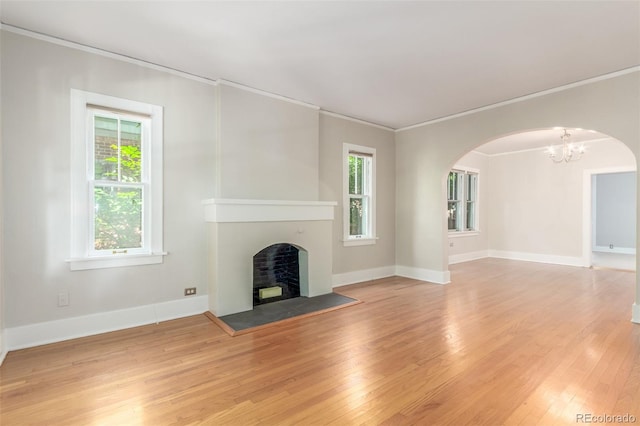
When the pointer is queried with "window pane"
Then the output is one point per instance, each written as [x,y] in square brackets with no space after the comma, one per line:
[357,215]
[356,174]
[472,185]
[130,150]
[471,216]
[452,187]
[118,218]
[452,215]
[106,148]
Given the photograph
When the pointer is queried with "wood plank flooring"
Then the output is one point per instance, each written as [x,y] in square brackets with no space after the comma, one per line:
[505,343]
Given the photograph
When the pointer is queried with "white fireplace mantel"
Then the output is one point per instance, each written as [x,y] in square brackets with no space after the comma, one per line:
[226,210]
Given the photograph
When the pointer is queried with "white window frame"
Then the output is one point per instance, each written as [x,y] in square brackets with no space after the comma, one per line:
[464,171]
[83,254]
[370,236]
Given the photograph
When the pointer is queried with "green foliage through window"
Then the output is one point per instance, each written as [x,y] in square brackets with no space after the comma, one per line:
[359,194]
[118,190]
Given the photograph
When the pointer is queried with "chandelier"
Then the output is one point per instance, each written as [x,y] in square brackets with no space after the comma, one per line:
[569,151]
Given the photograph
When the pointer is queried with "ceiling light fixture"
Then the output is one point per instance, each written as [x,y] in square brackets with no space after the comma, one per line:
[569,151]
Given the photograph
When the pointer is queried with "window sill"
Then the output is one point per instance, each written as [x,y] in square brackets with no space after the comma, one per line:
[359,242]
[116,261]
[457,234]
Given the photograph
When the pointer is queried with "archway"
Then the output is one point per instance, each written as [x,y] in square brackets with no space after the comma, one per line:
[528,207]
[610,105]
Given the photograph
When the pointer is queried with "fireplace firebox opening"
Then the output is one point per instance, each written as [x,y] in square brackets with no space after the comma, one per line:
[277,273]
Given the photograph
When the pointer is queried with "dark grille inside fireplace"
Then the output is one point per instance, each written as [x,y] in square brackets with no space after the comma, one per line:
[276,266]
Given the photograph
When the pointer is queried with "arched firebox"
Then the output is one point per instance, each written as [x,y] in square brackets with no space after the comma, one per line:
[278,271]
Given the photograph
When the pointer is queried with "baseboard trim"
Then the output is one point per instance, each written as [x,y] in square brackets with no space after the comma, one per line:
[436,277]
[617,250]
[635,313]
[468,257]
[363,275]
[3,345]
[540,258]
[71,328]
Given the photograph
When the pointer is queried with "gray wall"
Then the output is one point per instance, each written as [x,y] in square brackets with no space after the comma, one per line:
[268,147]
[334,132]
[223,143]
[425,154]
[218,142]
[36,81]
[615,210]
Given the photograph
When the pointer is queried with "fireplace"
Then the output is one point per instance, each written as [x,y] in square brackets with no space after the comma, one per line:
[276,273]
[238,230]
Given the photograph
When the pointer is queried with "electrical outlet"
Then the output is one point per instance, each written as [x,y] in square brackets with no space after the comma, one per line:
[190,291]
[63,299]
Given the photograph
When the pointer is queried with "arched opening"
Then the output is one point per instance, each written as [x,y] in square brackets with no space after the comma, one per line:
[279,273]
[526,206]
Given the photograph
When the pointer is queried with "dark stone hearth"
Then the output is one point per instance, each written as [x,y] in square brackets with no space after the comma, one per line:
[276,266]
[273,312]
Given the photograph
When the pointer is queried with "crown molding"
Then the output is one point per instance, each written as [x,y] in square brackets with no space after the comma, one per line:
[224,82]
[104,53]
[356,120]
[150,65]
[524,98]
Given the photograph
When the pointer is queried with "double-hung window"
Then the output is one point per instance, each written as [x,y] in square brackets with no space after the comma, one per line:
[116,182]
[462,200]
[359,195]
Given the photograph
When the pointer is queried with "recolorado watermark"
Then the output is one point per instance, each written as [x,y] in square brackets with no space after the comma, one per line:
[605,418]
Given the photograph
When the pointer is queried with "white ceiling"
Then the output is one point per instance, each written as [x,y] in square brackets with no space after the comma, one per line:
[392,63]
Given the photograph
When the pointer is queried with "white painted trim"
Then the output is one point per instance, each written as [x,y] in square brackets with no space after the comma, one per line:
[105,53]
[461,234]
[540,258]
[81,255]
[617,250]
[265,93]
[354,242]
[363,275]
[458,168]
[71,328]
[5,351]
[467,257]
[635,313]
[436,277]
[355,120]
[588,222]
[237,210]
[524,98]
[118,260]
[348,148]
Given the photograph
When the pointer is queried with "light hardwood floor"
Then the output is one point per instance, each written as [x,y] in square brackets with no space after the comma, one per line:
[505,343]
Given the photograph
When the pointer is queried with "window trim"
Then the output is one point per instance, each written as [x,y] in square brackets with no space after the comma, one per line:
[82,256]
[371,237]
[476,229]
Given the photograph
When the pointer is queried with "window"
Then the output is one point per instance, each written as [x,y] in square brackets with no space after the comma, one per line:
[116,182]
[359,195]
[462,200]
